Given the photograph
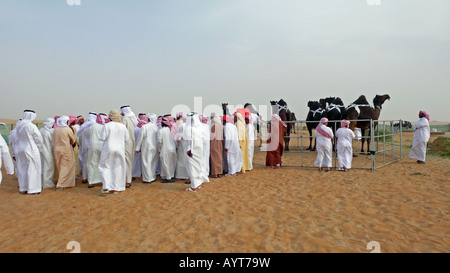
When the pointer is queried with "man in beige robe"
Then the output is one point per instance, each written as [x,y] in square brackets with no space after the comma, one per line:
[216,147]
[243,140]
[63,139]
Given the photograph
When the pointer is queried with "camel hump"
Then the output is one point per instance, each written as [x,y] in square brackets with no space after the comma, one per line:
[361,100]
[281,102]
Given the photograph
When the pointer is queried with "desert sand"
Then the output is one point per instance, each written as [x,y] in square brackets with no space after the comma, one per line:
[403,206]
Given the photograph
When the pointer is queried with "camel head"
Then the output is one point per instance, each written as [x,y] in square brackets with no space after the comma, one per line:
[314,105]
[323,102]
[329,100]
[380,99]
[338,101]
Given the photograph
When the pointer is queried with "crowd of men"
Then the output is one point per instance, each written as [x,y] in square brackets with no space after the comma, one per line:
[115,149]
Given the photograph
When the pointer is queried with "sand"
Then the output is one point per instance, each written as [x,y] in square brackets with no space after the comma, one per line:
[403,206]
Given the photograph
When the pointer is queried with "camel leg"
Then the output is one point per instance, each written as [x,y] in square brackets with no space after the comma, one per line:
[286,143]
[310,139]
[368,142]
[362,140]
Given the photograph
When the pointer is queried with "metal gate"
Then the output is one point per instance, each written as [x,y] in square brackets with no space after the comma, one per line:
[385,145]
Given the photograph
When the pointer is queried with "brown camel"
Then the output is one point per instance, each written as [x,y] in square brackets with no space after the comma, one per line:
[360,110]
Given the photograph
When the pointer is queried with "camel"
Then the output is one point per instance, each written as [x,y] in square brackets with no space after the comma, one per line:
[316,112]
[335,110]
[360,109]
[285,114]
[226,112]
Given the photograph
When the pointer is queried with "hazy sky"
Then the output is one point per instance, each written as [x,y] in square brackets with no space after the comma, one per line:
[155,54]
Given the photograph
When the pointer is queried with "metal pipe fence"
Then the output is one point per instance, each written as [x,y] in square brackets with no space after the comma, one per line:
[385,144]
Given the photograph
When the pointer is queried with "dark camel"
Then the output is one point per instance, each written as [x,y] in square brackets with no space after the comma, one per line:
[316,112]
[335,109]
[359,110]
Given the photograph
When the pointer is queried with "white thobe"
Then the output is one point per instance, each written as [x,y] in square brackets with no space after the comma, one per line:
[84,138]
[324,148]
[47,161]
[181,171]
[5,158]
[137,161]
[234,155]
[147,144]
[206,146]
[251,131]
[94,154]
[195,164]
[420,139]
[28,141]
[12,141]
[167,153]
[112,161]
[345,137]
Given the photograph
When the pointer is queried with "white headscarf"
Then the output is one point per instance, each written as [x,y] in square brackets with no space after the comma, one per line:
[192,122]
[28,116]
[128,113]
[62,121]
[152,118]
[91,119]
[215,118]
[48,124]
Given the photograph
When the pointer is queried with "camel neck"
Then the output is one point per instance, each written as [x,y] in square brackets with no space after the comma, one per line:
[377,112]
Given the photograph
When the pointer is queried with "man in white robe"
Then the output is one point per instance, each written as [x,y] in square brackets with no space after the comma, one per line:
[130,121]
[12,142]
[181,170]
[137,161]
[112,161]
[5,157]
[28,142]
[48,164]
[77,126]
[167,150]
[206,142]
[420,138]
[147,146]
[95,150]
[84,139]
[232,149]
[345,137]
[193,145]
[324,146]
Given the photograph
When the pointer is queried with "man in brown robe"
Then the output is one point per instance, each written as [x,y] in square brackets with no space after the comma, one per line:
[216,147]
[63,139]
[275,142]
